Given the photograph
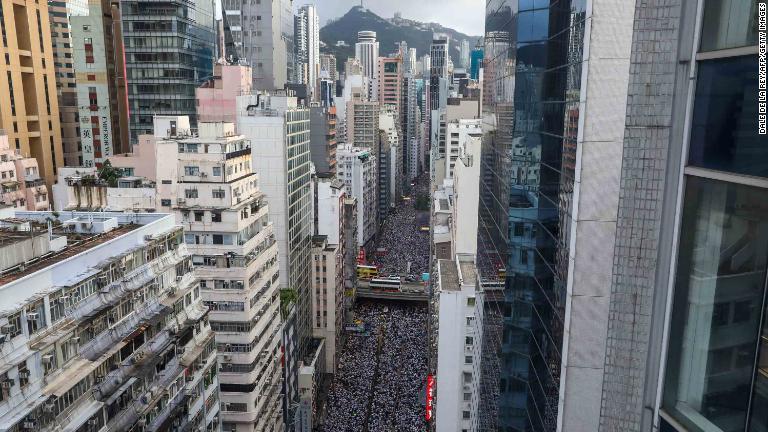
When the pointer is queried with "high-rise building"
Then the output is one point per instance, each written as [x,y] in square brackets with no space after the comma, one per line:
[323,139]
[390,79]
[389,163]
[162,81]
[22,186]
[103,325]
[640,307]
[328,64]
[356,167]
[263,35]
[362,125]
[30,109]
[59,13]
[279,131]
[475,63]
[367,52]
[438,82]
[307,43]
[102,107]
[327,297]
[464,54]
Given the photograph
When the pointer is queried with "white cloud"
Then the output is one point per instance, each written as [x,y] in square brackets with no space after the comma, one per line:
[466,16]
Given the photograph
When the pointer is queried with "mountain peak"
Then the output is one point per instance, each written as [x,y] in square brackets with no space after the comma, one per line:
[389,31]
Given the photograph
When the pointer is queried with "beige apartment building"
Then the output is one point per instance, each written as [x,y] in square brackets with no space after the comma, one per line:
[28,80]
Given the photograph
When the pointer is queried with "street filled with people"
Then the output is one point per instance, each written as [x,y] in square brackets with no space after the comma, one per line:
[400,239]
[380,381]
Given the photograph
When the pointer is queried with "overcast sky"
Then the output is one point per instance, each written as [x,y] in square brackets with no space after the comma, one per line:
[465,16]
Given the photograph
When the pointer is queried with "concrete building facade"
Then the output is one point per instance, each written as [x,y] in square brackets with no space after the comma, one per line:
[30,114]
[110,334]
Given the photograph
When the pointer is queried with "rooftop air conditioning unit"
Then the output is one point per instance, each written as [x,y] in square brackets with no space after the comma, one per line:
[47,359]
[8,329]
[32,316]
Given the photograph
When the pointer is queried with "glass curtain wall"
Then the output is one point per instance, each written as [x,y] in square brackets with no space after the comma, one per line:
[716,377]
[532,69]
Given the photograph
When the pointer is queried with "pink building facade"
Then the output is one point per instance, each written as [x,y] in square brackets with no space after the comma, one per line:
[216,99]
[20,183]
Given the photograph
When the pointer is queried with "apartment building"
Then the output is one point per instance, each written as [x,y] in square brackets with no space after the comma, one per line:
[217,97]
[356,167]
[459,340]
[20,183]
[390,81]
[28,78]
[362,125]
[103,326]
[327,297]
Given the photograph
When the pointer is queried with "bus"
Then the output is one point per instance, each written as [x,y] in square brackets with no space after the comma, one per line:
[389,284]
[366,271]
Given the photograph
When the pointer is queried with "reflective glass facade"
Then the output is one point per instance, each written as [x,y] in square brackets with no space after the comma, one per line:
[169,51]
[532,71]
[716,374]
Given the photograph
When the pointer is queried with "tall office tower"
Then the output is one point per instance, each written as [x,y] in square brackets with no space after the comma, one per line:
[107,329]
[322,139]
[367,52]
[307,42]
[426,65]
[362,123]
[438,83]
[61,31]
[464,54]
[389,162]
[328,64]
[230,236]
[356,167]
[411,61]
[101,90]
[684,284]
[475,63]
[409,121]
[390,79]
[279,132]
[616,319]
[263,34]
[22,186]
[30,110]
[162,81]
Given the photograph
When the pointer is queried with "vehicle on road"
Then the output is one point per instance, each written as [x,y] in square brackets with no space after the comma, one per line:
[367,271]
[388,284]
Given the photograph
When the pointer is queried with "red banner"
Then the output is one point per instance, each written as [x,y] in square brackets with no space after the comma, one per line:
[361,256]
[430,396]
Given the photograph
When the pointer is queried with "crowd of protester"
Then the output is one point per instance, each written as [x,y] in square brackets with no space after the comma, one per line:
[380,381]
[402,240]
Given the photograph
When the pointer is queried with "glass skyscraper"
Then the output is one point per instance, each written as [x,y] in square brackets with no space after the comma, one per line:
[532,70]
[169,51]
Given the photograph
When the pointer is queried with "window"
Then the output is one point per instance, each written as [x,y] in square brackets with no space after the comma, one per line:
[728,24]
[166,182]
[217,171]
[470,301]
[191,170]
[721,273]
[724,130]
[218,193]
[468,359]
[465,415]
[190,193]
[467,397]
[467,377]
[23,375]
[165,202]
[468,340]
[199,216]
[218,239]
[215,216]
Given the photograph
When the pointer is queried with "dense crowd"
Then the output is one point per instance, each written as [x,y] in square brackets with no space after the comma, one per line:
[379,384]
[400,236]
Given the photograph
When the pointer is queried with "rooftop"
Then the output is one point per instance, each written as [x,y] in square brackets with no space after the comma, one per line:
[449,275]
